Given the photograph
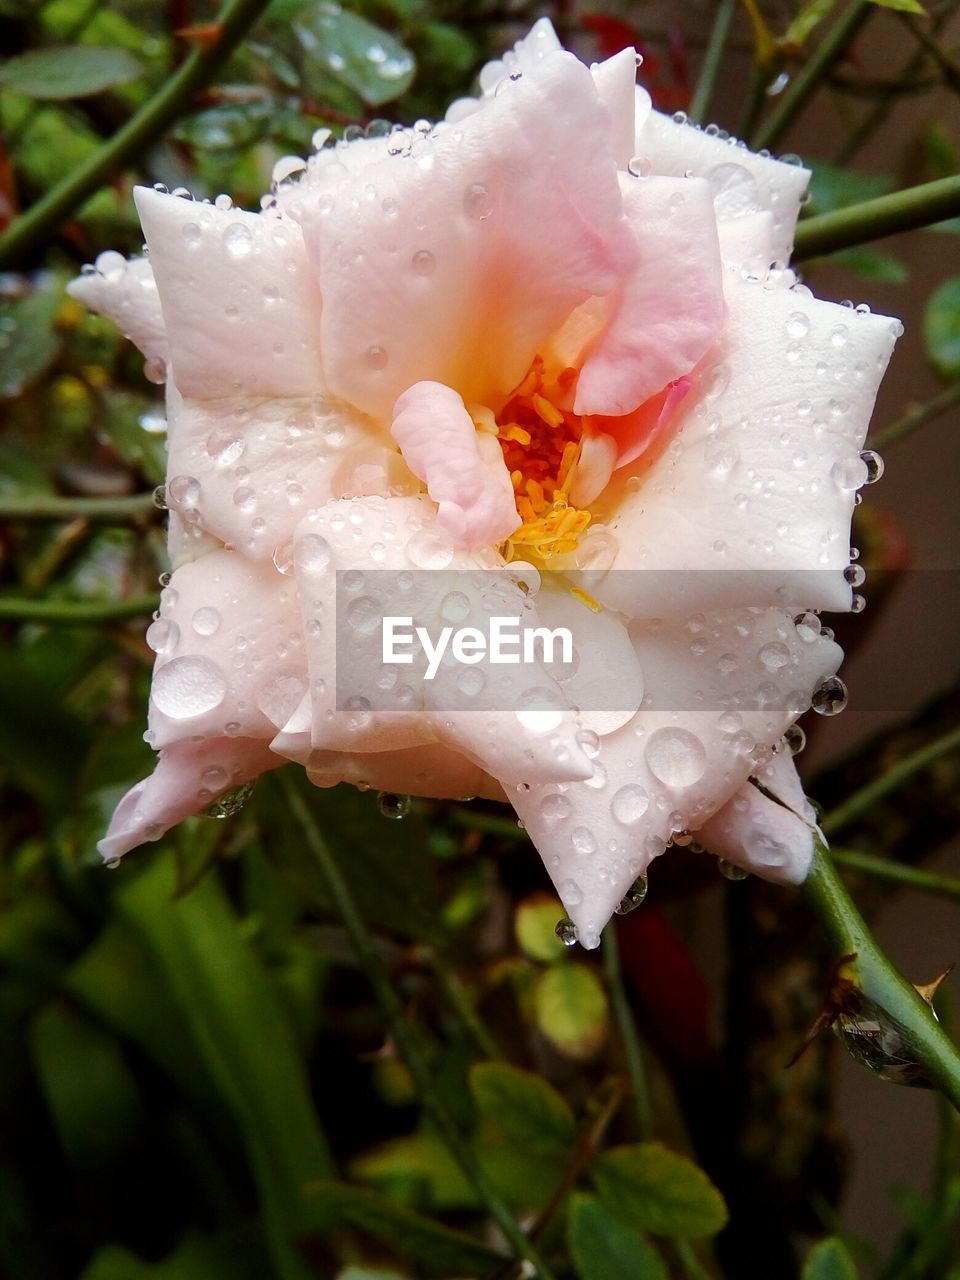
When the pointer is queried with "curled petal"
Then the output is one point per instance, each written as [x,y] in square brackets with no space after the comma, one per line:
[126,292]
[616,79]
[433,770]
[441,446]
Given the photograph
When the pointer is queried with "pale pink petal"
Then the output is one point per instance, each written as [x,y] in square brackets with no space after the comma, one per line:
[752,497]
[440,444]
[634,433]
[743,182]
[230,658]
[540,41]
[594,467]
[434,771]
[454,260]
[240,306]
[700,733]
[670,308]
[616,80]
[126,292]
[773,840]
[188,777]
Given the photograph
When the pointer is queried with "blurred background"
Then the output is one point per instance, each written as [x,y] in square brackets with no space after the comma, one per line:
[195,1077]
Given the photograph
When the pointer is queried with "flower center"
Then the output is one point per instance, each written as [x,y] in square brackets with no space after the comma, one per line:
[541,445]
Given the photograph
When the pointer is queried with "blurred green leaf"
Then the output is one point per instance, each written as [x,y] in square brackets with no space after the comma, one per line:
[238,1255]
[832,187]
[339,44]
[123,413]
[523,1107]
[871,264]
[659,1191]
[439,1250]
[604,1248]
[418,1169]
[570,1009]
[227,127]
[361,1273]
[535,923]
[73,71]
[29,343]
[89,1088]
[829,1260]
[905,6]
[44,766]
[941,328]
[806,20]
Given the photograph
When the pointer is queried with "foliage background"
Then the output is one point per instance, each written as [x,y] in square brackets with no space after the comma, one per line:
[196,1076]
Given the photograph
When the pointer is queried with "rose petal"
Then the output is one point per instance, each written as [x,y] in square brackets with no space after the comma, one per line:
[616,80]
[455,262]
[189,776]
[670,308]
[432,770]
[470,484]
[231,283]
[753,496]
[126,293]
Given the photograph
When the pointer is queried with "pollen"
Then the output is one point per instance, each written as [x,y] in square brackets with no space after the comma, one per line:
[540,440]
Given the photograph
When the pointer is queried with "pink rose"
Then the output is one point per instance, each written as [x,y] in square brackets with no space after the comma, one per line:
[540,338]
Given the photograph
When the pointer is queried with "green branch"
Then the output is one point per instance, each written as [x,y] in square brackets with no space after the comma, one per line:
[923,1037]
[918,417]
[712,58]
[628,1032]
[139,134]
[863,801]
[392,1009]
[898,873]
[811,75]
[48,506]
[76,613]
[872,219]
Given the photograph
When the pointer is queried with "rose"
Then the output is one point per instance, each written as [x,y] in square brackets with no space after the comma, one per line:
[560,305]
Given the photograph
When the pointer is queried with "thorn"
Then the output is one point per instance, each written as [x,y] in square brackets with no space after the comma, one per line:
[205,35]
[927,990]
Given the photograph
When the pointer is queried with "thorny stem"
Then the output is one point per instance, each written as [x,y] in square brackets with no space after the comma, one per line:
[628,1032]
[43,506]
[919,206]
[139,133]
[712,58]
[811,75]
[863,801]
[898,873]
[918,417]
[879,981]
[76,613]
[392,1010]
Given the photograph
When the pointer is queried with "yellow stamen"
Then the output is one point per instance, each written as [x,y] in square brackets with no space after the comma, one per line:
[585,598]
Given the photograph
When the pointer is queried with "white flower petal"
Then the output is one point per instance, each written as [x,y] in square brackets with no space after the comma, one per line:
[126,292]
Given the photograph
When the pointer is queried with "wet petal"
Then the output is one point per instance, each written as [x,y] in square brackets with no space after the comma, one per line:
[126,292]
[470,483]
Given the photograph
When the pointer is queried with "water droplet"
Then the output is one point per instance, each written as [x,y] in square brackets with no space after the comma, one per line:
[376,357]
[829,697]
[633,897]
[798,324]
[206,621]
[423,262]
[364,614]
[224,447]
[160,497]
[189,686]
[855,575]
[584,841]
[192,235]
[795,739]
[454,607]
[313,553]
[237,240]
[730,871]
[183,492]
[393,806]
[874,465]
[676,757]
[230,802]
[774,656]
[477,201]
[555,807]
[162,636]
[735,191]
[850,473]
[630,804]
[430,549]
[566,931]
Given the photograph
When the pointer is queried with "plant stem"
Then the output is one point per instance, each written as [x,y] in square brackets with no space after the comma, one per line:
[811,75]
[879,981]
[76,613]
[139,133]
[918,417]
[863,801]
[46,506]
[628,1032]
[392,1009]
[919,206]
[898,873]
[712,58]
[459,1000]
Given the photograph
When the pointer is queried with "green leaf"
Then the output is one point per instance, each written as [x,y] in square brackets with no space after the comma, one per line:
[659,1191]
[941,328]
[604,1248]
[416,1168]
[73,71]
[829,1260]
[904,6]
[535,923]
[229,127]
[238,1255]
[29,343]
[570,1009]
[361,1273]
[832,187]
[872,264]
[809,17]
[524,1107]
[438,1249]
[344,46]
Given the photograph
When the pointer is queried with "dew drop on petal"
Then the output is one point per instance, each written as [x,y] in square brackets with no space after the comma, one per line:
[205,621]
[630,804]
[189,686]
[555,807]
[566,930]
[676,757]
[730,870]
[829,697]
[237,240]
[633,897]
[393,806]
